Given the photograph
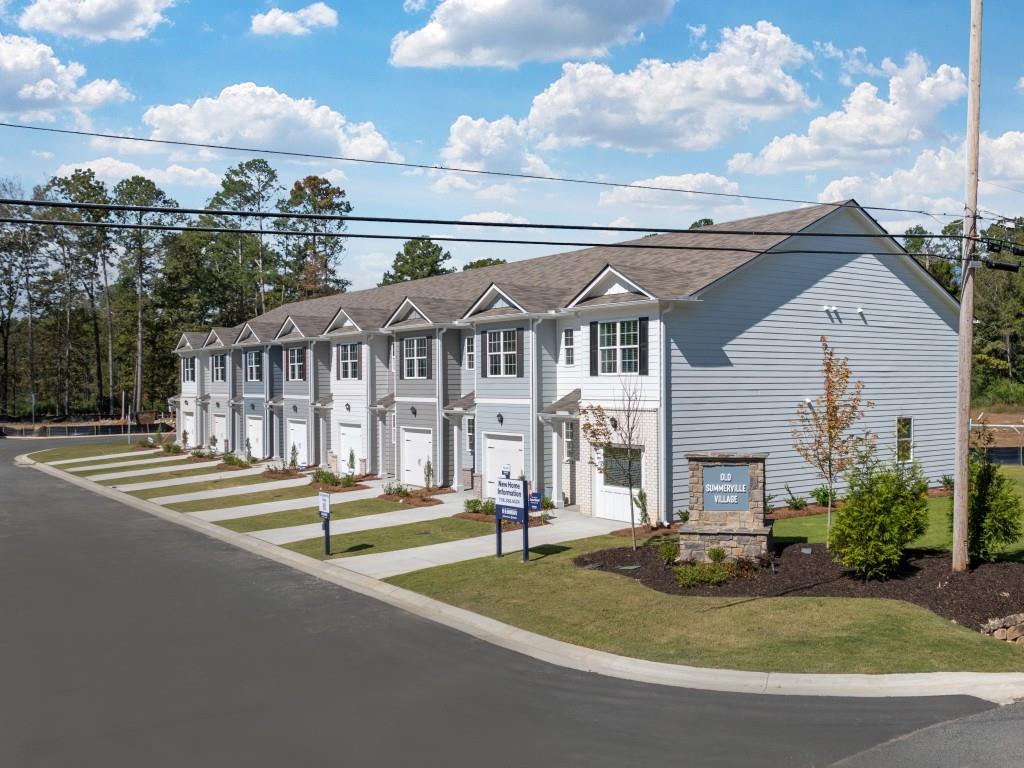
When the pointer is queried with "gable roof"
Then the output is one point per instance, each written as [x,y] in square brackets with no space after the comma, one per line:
[191,340]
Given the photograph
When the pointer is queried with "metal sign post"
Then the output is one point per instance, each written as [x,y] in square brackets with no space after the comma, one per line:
[325,515]
[510,500]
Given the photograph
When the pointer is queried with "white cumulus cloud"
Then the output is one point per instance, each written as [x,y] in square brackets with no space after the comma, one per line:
[300,22]
[95,20]
[113,170]
[261,116]
[636,194]
[506,33]
[495,216]
[34,81]
[868,127]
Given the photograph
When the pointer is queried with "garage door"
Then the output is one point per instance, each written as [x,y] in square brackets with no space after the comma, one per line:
[417,449]
[188,430]
[503,457]
[220,431]
[297,438]
[350,441]
[611,485]
[254,434]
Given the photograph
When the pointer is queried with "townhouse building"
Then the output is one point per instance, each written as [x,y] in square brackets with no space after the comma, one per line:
[711,336]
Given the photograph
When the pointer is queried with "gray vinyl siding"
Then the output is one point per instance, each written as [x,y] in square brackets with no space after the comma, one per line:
[427,387]
[390,467]
[743,359]
[382,380]
[515,421]
[548,346]
[253,388]
[275,370]
[322,367]
[503,386]
[451,355]
[297,388]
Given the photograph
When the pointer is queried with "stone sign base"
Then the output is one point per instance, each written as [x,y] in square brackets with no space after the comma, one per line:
[747,543]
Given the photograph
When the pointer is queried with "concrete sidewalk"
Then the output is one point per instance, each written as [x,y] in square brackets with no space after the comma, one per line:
[184,467]
[233,490]
[266,507]
[146,485]
[568,526]
[163,459]
[98,457]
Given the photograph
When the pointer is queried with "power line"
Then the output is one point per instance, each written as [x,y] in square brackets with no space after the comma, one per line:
[447,239]
[450,169]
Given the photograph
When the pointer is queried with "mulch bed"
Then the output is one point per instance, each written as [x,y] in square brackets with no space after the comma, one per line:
[338,488]
[280,474]
[783,513]
[992,590]
[646,532]
[229,467]
[411,500]
[200,459]
[535,522]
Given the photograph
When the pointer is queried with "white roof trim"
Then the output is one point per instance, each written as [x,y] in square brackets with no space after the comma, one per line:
[247,328]
[608,270]
[295,325]
[492,289]
[214,335]
[407,302]
[339,314]
[183,339]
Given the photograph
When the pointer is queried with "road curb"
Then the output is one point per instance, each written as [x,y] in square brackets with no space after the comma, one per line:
[1000,688]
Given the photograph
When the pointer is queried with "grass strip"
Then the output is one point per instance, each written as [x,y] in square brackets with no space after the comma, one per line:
[607,612]
[197,469]
[175,464]
[199,485]
[309,514]
[393,538]
[256,497]
[82,451]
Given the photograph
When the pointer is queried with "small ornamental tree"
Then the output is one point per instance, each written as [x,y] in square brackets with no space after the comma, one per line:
[886,508]
[993,510]
[822,429]
[428,474]
[293,458]
[351,461]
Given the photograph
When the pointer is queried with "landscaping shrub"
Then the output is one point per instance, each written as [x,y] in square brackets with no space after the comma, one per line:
[994,510]
[472,505]
[886,508]
[234,461]
[668,551]
[821,494]
[325,477]
[699,574]
[171,448]
[793,501]
[682,516]
[947,482]
[396,489]
[347,481]
[487,507]
[640,499]
[546,502]
[717,555]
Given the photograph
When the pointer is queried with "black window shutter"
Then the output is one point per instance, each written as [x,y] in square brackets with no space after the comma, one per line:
[359,362]
[593,348]
[305,363]
[520,336]
[401,357]
[643,346]
[430,357]
[337,356]
[481,354]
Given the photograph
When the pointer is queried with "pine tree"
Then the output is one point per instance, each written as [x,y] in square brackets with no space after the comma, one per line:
[418,259]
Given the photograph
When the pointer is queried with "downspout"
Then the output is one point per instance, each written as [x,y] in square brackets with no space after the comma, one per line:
[663,425]
[267,375]
[370,375]
[536,470]
[442,370]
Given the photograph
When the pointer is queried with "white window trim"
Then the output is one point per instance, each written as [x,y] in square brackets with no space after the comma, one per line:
[469,352]
[250,356]
[618,347]
[641,483]
[500,332]
[223,377]
[568,346]
[470,435]
[299,363]
[188,370]
[569,443]
[348,367]
[414,358]
[910,456]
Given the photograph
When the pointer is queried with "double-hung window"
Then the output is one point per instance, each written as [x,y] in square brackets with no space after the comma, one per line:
[904,438]
[568,347]
[296,364]
[470,435]
[254,365]
[414,353]
[348,361]
[220,368]
[469,353]
[569,438]
[619,346]
[501,353]
[188,370]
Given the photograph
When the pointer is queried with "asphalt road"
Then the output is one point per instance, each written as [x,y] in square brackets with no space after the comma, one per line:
[129,641]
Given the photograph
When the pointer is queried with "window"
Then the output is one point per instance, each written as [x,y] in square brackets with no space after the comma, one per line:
[415,355]
[254,366]
[619,346]
[348,361]
[501,353]
[296,364]
[188,369]
[469,354]
[568,348]
[904,438]
[471,436]
[220,368]
[619,463]
[569,438]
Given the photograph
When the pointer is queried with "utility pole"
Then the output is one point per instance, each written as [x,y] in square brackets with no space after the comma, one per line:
[966,341]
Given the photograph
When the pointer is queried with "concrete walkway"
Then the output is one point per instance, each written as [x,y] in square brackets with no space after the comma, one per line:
[362,523]
[145,486]
[184,467]
[234,490]
[137,462]
[126,454]
[568,526]
[266,507]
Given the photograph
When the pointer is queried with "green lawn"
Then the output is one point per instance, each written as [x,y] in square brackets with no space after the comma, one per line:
[175,464]
[309,515]
[552,597]
[81,451]
[396,537]
[207,485]
[256,497]
[197,469]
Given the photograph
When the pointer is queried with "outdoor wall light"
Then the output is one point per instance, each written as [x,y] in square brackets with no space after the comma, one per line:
[834,308]
[348,406]
[825,308]
[614,422]
[252,406]
[860,310]
[218,405]
[295,409]
[412,409]
[501,419]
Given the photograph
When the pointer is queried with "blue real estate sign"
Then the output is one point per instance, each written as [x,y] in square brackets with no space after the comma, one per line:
[727,488]
[510,500]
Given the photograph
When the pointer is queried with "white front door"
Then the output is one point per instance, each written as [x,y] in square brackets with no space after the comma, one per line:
[297,438]
[254,434]
[220,431]
[503,457]
[350,442]
[611,486]
[417,449]
[188,430]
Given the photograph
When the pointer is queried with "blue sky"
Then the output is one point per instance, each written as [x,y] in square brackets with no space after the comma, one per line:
[816,101]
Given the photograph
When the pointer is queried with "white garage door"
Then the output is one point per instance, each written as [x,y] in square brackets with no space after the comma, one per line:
[187,430]
[297,437]
[254,434]
[417,450]
[220,431]
[503,457]
[350,440]
[611,485]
